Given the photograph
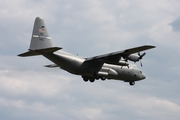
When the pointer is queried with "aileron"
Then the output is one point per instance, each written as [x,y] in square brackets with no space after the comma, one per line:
[138,49]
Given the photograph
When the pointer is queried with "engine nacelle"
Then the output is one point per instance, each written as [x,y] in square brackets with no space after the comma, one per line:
[133,58]
[123,63]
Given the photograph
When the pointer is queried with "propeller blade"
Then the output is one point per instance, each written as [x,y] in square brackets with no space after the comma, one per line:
[141,63]
[141,56]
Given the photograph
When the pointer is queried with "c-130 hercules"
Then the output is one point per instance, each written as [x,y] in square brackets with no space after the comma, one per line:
[108,66]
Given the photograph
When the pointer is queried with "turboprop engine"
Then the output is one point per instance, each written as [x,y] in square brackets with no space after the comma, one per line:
[135,58]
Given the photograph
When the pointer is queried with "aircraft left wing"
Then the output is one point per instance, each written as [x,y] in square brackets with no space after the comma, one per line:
[114,57]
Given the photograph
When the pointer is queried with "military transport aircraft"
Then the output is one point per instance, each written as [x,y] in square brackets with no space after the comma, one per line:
[108,66]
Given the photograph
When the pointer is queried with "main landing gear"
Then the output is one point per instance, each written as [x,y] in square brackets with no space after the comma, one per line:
[86,79]
[132,83]
[92,79]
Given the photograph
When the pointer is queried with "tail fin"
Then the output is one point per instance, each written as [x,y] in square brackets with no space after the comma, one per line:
[40,41]
[40,37]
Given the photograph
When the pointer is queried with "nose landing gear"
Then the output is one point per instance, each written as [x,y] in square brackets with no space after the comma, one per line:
[132,83]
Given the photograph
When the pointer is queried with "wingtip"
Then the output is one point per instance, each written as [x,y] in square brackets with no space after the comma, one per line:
[150,46]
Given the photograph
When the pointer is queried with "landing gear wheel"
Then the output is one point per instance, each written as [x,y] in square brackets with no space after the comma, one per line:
[103,78]
[92,80]
[85,79]
[132,83]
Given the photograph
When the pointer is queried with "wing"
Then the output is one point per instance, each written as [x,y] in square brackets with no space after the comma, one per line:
[114,57]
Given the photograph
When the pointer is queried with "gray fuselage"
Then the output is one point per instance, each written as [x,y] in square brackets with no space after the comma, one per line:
[79,66]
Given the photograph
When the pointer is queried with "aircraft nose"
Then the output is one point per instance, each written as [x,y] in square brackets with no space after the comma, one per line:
[143,76]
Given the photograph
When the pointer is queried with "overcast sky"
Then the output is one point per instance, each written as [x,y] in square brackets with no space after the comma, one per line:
[88,28]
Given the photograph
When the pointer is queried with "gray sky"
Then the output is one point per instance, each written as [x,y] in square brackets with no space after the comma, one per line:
[87,28]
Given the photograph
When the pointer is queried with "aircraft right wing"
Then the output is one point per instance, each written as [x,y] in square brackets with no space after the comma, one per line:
[114,57]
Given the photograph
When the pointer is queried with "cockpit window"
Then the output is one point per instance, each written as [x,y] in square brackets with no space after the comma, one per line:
[141,72]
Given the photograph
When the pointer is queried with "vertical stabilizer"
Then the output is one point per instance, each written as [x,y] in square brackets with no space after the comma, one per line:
[40,41]
[40,37]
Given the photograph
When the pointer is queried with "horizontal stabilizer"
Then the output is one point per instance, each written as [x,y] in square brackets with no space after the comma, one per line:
[29,53]
[51,66]
[39,51]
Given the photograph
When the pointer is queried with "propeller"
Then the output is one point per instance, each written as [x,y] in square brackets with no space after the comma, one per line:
[135,58]
[140,57]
